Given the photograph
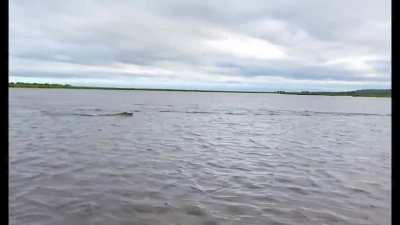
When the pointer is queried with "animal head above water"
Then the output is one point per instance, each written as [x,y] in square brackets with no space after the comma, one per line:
[125,114]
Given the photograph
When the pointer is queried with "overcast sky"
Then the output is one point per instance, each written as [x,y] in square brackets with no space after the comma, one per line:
[225,45]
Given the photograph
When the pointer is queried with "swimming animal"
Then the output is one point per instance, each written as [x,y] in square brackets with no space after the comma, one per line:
[108,114]
[119,114]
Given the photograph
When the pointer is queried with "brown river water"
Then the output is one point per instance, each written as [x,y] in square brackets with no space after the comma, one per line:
[192,158]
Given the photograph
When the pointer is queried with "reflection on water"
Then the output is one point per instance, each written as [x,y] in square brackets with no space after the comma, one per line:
[198,158]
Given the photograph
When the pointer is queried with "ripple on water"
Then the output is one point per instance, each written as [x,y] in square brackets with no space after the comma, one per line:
[204,160]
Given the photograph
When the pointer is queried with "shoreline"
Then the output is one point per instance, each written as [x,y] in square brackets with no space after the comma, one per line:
[347,93]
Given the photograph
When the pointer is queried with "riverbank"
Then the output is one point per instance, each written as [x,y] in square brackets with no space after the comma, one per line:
[356,93]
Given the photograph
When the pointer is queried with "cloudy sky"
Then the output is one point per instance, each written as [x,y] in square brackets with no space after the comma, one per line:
[223,45]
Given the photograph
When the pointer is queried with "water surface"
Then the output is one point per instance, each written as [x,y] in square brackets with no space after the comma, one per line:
[198,158]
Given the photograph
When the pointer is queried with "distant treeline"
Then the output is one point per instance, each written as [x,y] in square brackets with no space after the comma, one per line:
[37,85]
[357,93]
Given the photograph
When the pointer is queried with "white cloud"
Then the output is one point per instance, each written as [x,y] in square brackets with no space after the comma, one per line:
[360,64]
[344,43]
[246,47]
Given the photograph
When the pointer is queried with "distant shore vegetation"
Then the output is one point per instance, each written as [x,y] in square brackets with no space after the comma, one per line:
[356,93]
[37,85]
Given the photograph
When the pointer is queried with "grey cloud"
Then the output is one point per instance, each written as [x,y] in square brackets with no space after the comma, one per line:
[172,35]
[301,72]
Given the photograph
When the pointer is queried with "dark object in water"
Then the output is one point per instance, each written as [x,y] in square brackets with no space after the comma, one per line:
[108,114]
[119,114]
